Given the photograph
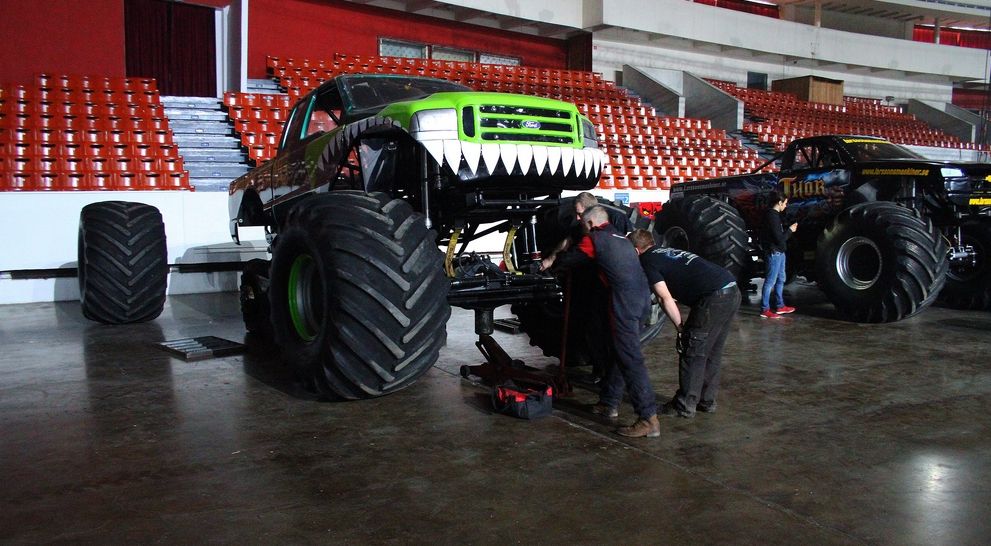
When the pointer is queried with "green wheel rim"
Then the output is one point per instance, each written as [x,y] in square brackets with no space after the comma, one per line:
[305,306]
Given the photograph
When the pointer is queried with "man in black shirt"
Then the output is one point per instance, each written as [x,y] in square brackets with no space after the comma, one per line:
[711,292]
[629,302]
[775,242]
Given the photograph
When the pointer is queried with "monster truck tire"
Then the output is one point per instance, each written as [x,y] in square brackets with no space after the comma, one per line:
[254,297]
[123,262]
[543,321]
[705,226]
[358,294]
[969,287]
[879,262]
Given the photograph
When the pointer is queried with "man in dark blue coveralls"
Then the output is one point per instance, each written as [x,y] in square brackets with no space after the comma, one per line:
[629,302]
[678,275]
[584,336]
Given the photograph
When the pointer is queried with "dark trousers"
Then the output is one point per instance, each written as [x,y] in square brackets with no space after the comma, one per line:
[704,336]
[629,373]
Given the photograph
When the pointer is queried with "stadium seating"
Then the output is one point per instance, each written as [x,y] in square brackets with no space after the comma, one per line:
[77,132]
[778,118]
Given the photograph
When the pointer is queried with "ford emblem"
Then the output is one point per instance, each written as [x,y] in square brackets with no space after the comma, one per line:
[531,124]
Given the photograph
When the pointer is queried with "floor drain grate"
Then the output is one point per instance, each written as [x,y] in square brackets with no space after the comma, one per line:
[202,348]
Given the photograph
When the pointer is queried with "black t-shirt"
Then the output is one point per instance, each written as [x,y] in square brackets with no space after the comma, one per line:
[775,232]
[688,276]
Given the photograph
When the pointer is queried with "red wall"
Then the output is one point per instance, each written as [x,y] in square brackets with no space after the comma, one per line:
[319,29]
[61,36]
[76,37]
[979,39]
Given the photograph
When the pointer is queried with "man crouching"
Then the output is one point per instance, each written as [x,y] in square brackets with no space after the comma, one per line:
[711,292]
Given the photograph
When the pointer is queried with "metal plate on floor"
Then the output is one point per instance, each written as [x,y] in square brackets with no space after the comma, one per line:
[202,348]
[510,325]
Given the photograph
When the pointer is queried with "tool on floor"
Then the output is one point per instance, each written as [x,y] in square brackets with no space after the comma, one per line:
[202,348]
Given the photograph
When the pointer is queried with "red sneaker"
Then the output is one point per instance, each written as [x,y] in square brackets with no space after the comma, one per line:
[784,310]
[769,314]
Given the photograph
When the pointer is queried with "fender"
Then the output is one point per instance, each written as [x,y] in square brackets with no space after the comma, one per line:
[244,208]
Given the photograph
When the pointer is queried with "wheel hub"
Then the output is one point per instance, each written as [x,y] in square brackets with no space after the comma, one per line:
[676,237]
[966,261]
[305,297]
[859,263]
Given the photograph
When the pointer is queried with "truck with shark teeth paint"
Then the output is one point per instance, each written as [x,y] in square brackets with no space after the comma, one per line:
[373,174]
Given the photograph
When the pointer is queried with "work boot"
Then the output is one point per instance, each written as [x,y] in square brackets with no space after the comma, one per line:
[604,410]
[671,410]
[706,408]
[650,428]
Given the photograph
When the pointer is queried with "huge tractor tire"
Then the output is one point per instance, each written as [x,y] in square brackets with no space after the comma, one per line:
[968,283]
[543,322]
[880,262]
[705,226]
[123,262]
[254,298]
[358,294]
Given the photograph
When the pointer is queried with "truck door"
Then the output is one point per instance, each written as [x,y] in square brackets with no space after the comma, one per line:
[312,117]
[815,181]
[287,162]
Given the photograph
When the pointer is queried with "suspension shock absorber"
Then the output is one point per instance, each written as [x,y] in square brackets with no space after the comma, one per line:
[425,186]
[534,249]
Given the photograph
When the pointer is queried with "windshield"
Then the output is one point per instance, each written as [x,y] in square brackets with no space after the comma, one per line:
[367,92]
[870,149]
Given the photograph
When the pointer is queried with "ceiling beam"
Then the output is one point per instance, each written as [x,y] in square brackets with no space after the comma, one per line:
[416,6]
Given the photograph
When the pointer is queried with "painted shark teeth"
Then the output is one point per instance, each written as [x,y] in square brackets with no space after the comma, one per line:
[541,160]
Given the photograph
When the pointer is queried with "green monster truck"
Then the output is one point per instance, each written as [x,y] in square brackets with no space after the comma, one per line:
[883,231]
[374,173]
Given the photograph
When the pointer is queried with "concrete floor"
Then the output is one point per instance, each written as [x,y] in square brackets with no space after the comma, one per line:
[827,432]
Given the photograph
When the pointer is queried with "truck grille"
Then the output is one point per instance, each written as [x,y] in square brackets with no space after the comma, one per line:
[500,123]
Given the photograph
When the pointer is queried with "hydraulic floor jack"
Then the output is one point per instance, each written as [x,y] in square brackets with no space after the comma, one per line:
[480,285]
[499,366]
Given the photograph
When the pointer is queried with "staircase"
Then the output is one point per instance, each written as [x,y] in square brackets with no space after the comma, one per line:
[263,86]
[210,151]
[749,140]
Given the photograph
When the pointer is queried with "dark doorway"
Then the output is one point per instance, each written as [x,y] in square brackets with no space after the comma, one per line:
[757,80]
[580,51]
[173,43]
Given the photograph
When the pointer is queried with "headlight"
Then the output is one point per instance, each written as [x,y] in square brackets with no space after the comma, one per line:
[434,125]
[589,138]
[950,172]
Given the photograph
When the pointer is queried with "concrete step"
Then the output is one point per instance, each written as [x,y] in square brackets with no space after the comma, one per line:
[206,141]
[230,171]
[221,155]
[263,86]
[196,127]
[195,114]
[210,184]
[206,103]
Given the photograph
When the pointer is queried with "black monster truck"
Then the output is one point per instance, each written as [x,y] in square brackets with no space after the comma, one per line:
[373,173]
[883,231]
